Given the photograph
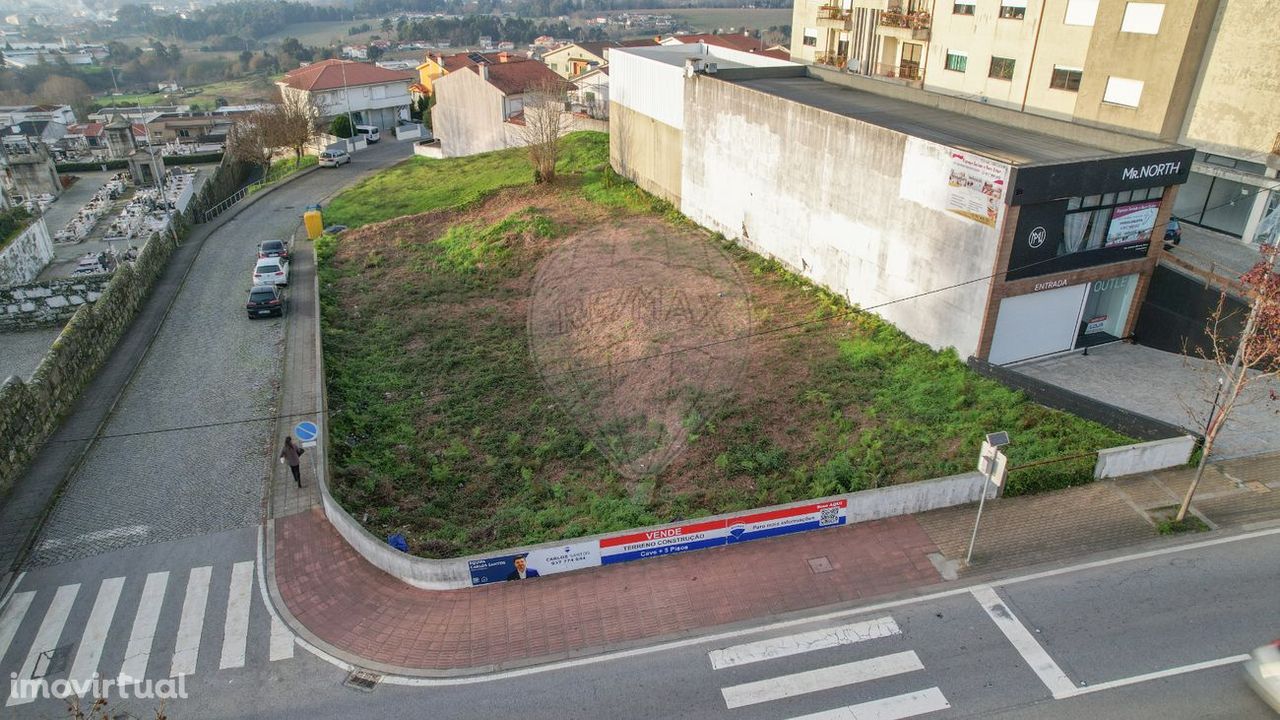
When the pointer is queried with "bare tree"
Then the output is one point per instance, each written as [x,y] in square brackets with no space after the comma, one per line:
[249,139]
[292,123]
[545,121]
[1256,357]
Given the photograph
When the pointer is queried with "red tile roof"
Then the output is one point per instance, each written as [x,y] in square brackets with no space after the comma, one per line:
[330,74]
[515,78]
[92,129]
[733,42]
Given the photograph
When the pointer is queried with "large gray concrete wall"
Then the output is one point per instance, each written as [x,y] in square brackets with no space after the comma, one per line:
[646,151]
[825,195]
[26,256]
[468,115]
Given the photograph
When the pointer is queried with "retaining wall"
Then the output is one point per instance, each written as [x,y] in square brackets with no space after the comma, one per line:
[50,303]
[1144,457]
[30,411]
[27,255]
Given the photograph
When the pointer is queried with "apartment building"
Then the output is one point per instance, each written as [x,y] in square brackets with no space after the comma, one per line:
[1188,72]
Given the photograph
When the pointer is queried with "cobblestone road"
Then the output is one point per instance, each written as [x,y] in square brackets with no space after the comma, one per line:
[144,483]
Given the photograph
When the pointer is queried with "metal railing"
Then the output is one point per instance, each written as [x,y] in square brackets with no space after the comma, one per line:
[231,199]
[834,12]
[917,20]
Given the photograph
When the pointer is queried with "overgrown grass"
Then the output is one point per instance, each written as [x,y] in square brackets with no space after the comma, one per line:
[423,184]
[284,168]
[442,428]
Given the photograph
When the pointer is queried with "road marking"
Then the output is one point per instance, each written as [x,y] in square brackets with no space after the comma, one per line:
[803,642]
[144,627]
[46,637]
[891,708]
[236,631]
[187,648]
[13,587]
[1194,667]
[11,618]
[1025,643]
[95,631]
[836,615]
[96,537]
[281,640]
[821,679]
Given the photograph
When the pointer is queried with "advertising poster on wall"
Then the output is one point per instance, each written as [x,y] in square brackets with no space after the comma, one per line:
[664,541]
[788,520]
[975,187]
[535,563]
[1132,223]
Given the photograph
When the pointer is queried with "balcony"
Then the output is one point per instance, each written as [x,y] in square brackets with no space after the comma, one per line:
[908,74]
[835,16]
[830,59]
[915,24]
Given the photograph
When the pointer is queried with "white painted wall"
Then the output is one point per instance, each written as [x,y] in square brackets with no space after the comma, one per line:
[26,256]
[1144,457]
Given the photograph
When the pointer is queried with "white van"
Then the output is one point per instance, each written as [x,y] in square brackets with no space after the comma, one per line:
[334,156]
[368,132]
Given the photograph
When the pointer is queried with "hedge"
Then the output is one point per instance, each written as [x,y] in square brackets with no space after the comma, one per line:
[123,164]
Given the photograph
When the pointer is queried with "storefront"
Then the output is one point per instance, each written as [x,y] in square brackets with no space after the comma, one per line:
[1083,242]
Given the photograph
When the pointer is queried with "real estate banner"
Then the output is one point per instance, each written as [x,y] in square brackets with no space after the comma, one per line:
[788,520]
[663,541]
[1132,223]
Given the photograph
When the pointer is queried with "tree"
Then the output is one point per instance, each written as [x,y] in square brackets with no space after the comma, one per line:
[1256,356]
[341,127]
[292,123]
[248,140]
[375,52]
[63,90]
[545,120]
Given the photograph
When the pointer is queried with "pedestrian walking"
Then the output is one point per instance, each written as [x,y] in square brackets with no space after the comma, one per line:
[290,454]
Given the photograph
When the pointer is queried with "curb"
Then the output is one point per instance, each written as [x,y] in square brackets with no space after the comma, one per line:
[206,229]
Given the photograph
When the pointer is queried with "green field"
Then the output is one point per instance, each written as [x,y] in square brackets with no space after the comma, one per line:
[445,426]
[727,19]
[236,92]
[323,34]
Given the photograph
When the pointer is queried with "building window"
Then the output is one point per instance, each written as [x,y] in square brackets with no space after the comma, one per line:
[957,61]
[1001,68]
[1123,91]
[183,132]
[1109,220]
[1066,78]
[1013,9]
[963,7]
[810,37]
[1081,12]
[1142,18]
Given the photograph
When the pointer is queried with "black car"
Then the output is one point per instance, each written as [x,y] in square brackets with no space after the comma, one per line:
[273,248]
[265,301]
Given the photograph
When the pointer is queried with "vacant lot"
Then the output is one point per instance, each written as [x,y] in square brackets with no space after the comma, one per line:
[521,364]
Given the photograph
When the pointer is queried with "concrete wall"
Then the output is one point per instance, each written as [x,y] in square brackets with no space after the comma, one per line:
[46,304]
[1144,457]
[1167,63]
[468,115]
[1235,110]
[825,195]
[30,411]
[26,255]
[645,151]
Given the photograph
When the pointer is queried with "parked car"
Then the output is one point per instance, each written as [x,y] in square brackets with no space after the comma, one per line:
[271,271]
[1172,233]
[274,249]
[333,157]
[370,133]
[265,301]
[1263,671]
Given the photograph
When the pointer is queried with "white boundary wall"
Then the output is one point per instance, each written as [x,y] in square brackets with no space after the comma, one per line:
[1144,457]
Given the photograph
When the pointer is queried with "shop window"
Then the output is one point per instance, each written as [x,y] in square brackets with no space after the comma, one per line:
[1142,18]
[963,7]
[1081,12]
[1001,68]
[957,61]
[1013,9]
[1066,78]
[1110,220]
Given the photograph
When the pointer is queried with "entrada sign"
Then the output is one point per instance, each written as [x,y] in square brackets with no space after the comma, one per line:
[1049,285]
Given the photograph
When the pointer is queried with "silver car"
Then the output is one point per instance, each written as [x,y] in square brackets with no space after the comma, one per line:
[1263,670]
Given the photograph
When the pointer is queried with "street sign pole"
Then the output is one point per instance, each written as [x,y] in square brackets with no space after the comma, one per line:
[982,501]
[308,435]
[992,464]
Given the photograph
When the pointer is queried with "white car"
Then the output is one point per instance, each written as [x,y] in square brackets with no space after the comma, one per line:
[1263,670]
[271,271]
[333,157]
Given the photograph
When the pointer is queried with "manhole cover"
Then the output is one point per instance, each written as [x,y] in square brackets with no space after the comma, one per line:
[820,564]
[52,662]
[363,680]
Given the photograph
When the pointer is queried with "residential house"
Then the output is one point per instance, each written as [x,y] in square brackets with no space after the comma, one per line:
[14,114]
[1186,72]
[590,94]
[436,66]
[188,128]
[743,42]
[1010,236]
[479,107]
[575,59]
[372,95]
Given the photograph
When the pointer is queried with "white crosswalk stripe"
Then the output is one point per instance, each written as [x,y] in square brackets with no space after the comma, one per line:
[112,629]
[779,688]
[48,635]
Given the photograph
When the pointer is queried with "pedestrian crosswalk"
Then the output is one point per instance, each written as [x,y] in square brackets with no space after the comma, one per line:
[139,628]
[780,687]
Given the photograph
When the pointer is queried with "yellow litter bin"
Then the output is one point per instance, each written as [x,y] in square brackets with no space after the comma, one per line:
[314,223]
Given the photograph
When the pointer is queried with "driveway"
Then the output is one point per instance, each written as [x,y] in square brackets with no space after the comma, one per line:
[1166,386]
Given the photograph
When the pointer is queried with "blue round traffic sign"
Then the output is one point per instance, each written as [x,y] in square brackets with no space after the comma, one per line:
[306,431]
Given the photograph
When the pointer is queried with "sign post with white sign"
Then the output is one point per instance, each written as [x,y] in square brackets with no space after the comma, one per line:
[994,466]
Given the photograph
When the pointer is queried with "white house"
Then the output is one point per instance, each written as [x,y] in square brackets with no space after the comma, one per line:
[591,92]
[373,95]
[481,107]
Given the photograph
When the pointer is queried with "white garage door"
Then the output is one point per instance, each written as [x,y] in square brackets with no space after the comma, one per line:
[1037,324]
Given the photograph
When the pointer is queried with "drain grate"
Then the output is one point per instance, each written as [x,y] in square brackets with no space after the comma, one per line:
[362,680]
[820,564]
